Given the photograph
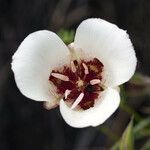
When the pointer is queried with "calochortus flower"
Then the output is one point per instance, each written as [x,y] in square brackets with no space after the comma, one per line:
[82,78]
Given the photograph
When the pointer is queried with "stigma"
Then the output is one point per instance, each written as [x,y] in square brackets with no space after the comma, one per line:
[79,83]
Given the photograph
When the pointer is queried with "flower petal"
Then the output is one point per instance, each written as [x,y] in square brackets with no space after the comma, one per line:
[111,45]
[102,110]
[38,54]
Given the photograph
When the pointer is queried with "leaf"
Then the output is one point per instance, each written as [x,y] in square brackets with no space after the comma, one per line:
[142,134]
[143,124]
[140,79]
[140,130]
[115,146]
[137,79]
[127,140]
[138,85]
[66,35]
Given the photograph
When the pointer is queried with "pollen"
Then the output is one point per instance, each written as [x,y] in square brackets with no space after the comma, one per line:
[93,68]
[79,82]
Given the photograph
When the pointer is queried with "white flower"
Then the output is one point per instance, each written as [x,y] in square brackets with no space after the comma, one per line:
[81,78]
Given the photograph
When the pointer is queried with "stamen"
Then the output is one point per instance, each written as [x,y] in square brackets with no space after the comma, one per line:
[95,81]
[80,83]
[77,101]
[67,92]
[60,76]
[73,67]
[86,71]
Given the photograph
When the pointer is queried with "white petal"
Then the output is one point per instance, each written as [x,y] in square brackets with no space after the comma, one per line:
[102,110]
[111,45]
[38,54]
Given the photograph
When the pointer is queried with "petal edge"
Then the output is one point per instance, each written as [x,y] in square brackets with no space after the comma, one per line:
[95,116]
[33,62]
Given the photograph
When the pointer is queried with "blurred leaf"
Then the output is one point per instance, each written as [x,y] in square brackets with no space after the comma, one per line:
[146,146]
[127,140]
[142,134]
[115,146]
[140,79]
[138,85]
[66,35]
[137,78]
[140,130]
[142,125]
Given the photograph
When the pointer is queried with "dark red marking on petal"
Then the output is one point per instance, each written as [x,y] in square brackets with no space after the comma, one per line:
[88,100]
[80,82]
[95,66]
[73,95]
[62,86]
[72,76]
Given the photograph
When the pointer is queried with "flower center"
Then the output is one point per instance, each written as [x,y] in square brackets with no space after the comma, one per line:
[79,83]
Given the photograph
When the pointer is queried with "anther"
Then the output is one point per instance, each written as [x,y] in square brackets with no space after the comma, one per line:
[86,71]
[73,67]
[95,81]
[60,76]
[67,92]
[78,100]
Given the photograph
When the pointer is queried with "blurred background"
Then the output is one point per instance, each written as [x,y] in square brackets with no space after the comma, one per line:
[26,125]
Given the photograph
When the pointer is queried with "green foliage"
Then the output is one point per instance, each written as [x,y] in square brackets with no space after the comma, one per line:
[131,134]
[143,124]
[66,35]
[127,140]
[137,79]
[142,129]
